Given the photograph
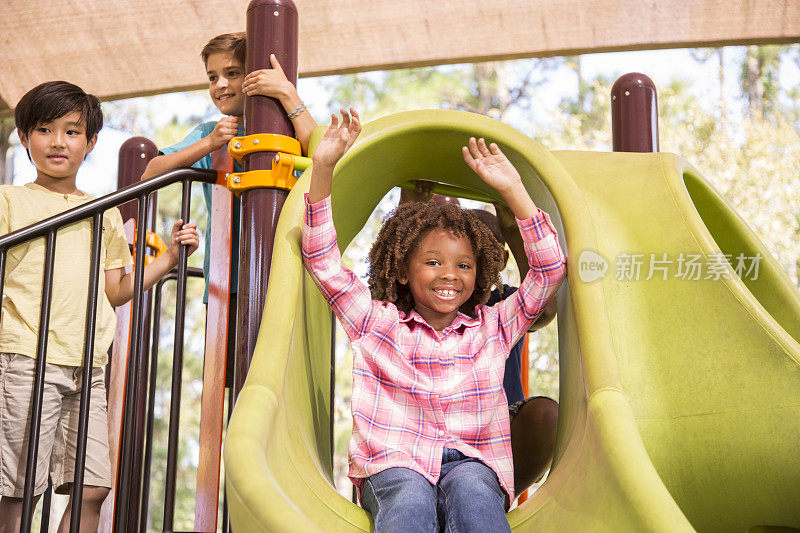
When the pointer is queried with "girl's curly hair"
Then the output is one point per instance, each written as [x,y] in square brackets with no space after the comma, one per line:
[401,233]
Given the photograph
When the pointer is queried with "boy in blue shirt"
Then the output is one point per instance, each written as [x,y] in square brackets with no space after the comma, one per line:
[224,58]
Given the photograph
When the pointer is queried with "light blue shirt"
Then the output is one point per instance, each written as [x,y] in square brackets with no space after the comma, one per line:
[195,135]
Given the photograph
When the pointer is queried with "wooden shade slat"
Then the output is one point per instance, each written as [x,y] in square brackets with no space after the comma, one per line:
[119,49]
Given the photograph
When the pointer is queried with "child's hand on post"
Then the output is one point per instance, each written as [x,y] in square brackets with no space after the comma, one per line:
[337,140]
[119,285]
[225,130]
[183,234]
[270,82]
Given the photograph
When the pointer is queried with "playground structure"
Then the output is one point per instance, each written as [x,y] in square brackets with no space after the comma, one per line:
[663,424]
[678,406]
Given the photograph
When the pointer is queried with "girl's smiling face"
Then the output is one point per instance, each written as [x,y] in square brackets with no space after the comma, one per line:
[441,276]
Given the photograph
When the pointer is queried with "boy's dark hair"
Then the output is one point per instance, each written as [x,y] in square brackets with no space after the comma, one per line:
[227,43]
[401,233]
[54,99]
[491,222]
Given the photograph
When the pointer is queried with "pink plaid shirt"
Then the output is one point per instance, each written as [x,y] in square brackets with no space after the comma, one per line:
[416,390]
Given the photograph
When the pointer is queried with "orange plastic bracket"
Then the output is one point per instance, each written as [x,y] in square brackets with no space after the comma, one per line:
[279,176]
[152,241]
[238,147]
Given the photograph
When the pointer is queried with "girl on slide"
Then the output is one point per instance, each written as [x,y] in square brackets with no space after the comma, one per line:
[431,446]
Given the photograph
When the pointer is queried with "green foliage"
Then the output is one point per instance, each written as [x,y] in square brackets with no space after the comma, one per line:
[172,132]
[760,79]
[144,116]
[590,109]
[486,88]
[580,123]
[384,93]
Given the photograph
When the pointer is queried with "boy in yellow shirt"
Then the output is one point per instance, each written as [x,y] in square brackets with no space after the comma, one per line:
[57,123]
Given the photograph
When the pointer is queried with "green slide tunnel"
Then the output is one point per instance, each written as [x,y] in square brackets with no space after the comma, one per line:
[679,397]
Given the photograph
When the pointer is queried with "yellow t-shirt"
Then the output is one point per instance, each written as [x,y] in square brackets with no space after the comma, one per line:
[22,290]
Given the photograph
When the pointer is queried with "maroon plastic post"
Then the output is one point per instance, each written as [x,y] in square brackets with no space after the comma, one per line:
[134,154]
[271,29]
[634,114]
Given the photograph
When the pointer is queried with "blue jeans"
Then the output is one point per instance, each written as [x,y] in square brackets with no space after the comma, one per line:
[467,497]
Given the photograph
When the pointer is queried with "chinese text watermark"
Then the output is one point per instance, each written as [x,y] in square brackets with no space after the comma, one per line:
[684,266]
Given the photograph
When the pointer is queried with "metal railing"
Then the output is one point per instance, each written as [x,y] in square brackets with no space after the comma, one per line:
[48,229]
[175,402]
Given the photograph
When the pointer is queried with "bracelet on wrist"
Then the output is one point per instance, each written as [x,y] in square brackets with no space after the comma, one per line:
[297,112]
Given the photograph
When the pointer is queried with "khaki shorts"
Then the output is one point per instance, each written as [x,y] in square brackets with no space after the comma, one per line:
[59,429]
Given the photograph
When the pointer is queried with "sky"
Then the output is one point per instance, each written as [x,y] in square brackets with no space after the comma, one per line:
[98,174]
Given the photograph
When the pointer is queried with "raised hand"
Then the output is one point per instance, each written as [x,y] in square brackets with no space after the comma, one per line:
[338,139]
[496,170]
[490,164]
[270,82]
[225,130]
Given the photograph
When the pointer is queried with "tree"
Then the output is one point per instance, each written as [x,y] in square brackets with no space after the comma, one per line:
[761,79]
[490,88]
[703,55]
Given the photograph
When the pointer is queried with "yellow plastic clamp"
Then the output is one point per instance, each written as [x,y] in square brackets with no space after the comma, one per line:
[280,176]
[238,147]
[154,242]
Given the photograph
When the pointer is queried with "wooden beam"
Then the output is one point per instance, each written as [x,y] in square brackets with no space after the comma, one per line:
[117,49]
[217,320]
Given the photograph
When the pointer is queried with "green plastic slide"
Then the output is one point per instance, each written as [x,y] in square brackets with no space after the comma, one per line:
[680,397]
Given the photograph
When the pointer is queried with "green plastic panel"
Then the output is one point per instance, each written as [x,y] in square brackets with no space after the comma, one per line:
[680,399]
